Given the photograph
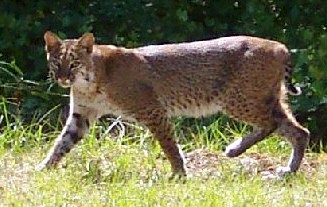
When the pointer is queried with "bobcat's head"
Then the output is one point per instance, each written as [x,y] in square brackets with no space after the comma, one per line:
[68,59]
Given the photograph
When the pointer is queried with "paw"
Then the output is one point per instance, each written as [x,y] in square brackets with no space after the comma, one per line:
[280,174]
[45,164]
[178,176]
[234,149]
[179,173]
[40,167]
[283,171]
[268,175]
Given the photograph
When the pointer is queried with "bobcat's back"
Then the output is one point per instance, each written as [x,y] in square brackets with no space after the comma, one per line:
[225,74]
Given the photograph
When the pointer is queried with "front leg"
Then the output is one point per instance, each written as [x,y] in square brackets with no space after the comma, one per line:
[76,126]
[157,122]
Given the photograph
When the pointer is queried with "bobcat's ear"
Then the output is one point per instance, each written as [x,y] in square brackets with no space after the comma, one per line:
[87,41]
[52,41]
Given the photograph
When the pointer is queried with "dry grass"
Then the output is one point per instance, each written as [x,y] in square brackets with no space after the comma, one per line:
[109,173]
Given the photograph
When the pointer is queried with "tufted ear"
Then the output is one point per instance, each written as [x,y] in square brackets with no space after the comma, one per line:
[87,41]
[52,41]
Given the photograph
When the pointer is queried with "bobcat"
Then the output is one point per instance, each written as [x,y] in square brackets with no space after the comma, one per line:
[244,77]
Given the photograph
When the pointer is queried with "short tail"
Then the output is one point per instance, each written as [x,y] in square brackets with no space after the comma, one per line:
[292,90]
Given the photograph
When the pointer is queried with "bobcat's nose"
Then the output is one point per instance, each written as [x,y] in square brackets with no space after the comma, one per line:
[65,83]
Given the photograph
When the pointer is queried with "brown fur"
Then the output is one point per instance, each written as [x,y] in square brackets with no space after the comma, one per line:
[243,77]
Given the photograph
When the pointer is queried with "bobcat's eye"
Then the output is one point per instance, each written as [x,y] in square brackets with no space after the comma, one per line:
[74,65]
[52,74]
[57,68]
[71,66]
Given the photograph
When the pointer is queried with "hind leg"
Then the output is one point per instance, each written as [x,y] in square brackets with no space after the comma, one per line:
[264,122]
[241,145]
[298,136]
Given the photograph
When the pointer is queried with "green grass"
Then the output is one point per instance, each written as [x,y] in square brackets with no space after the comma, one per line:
[132,171]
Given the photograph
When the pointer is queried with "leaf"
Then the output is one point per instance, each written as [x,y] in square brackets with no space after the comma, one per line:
[182,15]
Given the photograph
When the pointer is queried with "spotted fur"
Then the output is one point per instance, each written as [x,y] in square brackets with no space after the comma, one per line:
[243,77]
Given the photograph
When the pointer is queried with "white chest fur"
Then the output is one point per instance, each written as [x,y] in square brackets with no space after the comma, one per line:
[88,95]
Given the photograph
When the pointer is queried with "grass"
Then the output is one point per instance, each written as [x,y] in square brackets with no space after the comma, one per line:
[132,170]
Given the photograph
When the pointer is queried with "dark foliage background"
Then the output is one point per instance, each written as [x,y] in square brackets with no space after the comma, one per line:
[300,24]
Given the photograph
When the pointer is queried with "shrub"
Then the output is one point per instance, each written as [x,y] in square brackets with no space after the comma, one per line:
[301,26]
